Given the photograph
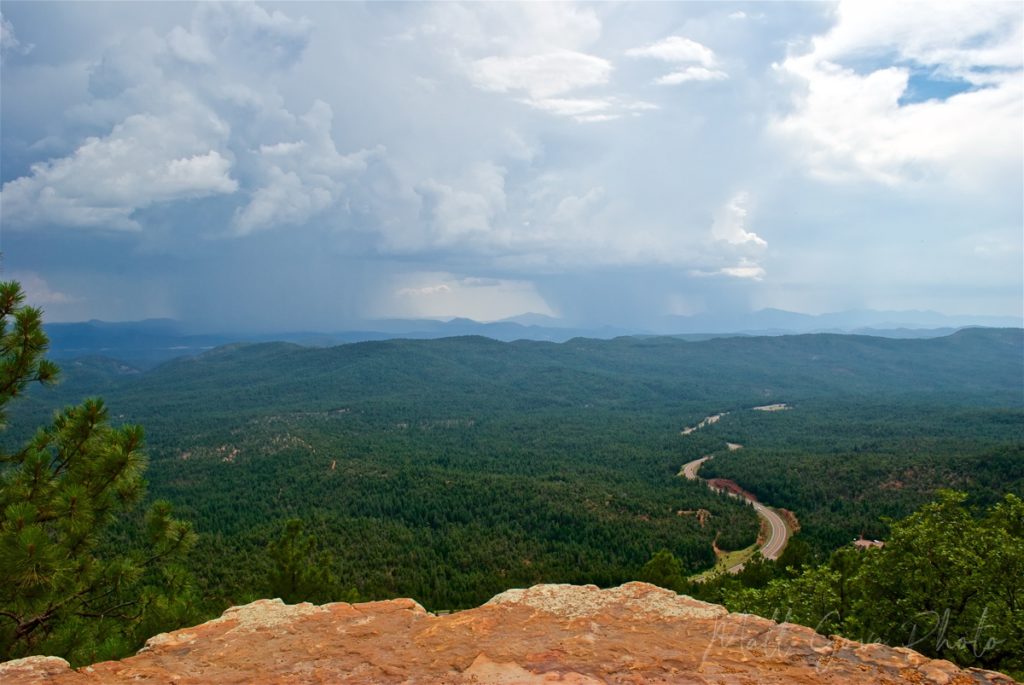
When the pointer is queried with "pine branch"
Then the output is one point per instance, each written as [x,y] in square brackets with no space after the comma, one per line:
[78,450]
[14,617]
[106,613]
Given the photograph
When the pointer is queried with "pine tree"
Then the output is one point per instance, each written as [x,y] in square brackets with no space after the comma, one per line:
[301,572]
[64,589]
[664,570]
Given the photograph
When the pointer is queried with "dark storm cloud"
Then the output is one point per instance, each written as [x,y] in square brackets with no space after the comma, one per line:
[309,165]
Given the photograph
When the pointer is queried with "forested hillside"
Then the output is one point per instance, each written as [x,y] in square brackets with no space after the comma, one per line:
[451,469]
[843,466]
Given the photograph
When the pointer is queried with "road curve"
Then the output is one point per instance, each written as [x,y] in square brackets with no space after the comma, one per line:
[689,470]
[778,534]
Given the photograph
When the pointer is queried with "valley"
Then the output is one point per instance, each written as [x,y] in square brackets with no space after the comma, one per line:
[449,470]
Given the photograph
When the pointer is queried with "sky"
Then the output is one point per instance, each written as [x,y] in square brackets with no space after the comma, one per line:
[309,166]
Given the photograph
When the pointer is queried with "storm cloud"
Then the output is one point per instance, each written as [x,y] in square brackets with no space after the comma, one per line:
[272,166]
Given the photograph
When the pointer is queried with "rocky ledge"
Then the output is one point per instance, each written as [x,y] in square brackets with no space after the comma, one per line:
[636,633]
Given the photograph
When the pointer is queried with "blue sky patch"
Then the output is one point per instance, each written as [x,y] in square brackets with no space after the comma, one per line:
[923,86]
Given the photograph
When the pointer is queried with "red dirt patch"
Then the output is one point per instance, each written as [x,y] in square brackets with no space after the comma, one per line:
[730,487]
[790,519]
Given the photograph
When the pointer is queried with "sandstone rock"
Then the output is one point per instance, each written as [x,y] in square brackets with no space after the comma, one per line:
[636,633]
[33,669]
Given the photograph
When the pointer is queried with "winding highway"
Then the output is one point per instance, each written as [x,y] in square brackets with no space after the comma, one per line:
[778,533]
[689,470]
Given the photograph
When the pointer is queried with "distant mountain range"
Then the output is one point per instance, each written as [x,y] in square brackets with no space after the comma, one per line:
[153,341]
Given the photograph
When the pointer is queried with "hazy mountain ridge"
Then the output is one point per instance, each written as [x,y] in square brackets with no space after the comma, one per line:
[988,363]
[152,341]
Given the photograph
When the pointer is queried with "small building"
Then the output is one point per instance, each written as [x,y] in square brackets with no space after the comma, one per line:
[861,543]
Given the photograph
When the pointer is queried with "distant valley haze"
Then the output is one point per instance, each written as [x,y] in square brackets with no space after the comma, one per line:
[250,168]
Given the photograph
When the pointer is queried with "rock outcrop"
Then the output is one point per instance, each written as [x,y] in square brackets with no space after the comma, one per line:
[636,633]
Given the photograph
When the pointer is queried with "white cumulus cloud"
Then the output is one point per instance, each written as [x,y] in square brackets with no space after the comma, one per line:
[38,292]
[466,208]
[540,76]
[691,74]
[850,122]
[745,269]
[167,99]
[700,60]
[730,222]
[676,49]
[9,41]
[249,32]
[300,178]
[144,160]
[538,53]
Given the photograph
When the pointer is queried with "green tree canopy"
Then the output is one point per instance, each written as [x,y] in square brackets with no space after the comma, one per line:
[301,571]
[948,583]
[951,585]
[664,570]
[66,589]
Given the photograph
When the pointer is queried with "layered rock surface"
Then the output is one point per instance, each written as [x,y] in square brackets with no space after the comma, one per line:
[636,633]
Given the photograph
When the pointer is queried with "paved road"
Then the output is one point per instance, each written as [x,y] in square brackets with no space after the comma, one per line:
[778,533]
[689,471]
[779,536]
